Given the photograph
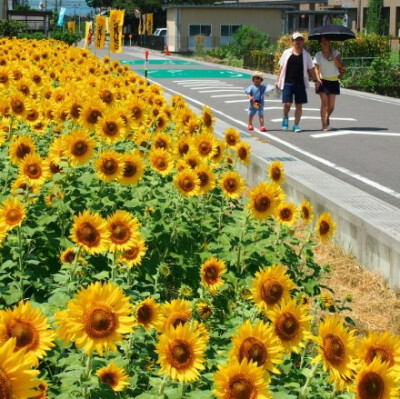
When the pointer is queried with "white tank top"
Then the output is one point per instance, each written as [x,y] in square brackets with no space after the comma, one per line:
[327,69]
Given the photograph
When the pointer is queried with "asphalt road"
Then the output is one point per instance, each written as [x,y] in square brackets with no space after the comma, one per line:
[363,147]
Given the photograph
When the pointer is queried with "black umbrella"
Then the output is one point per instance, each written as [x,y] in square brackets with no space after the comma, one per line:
[332,32]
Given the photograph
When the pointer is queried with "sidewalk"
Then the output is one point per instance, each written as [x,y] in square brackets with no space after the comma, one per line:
[367,227]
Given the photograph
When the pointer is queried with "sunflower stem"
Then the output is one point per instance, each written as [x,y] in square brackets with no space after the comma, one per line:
[303,392]
[86,376]
[20,262]
[74,264]
[163,385]
[114,266]
[221,213]
[238,262]
[183,390]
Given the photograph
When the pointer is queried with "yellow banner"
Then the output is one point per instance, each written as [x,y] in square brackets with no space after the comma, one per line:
[107,25]
[100,35]
[116,23]
[88,34]
[142,26]
[149,24]
[71,26]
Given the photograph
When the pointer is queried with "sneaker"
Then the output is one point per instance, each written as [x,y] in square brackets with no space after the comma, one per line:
[285,123]
[263,129]
[296,129]
[250,127]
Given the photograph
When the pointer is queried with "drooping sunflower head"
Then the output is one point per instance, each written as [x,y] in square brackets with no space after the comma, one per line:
[211,274]
[133,256]
[109,166]
[232,184]
[173,313]
[306,211]
[287,213]
[133,168]
[90,232]
[114,376]
[325,227]
[243,152]
[147,313]
[204,309]
[207,117]
[243,380]
[79,147]
[122,228]
[271,286]
[259,345]
[181,353]
[187,182]
[219,152]
[264,200]
[161,161]
[232,137]
[20,148]
[276,172]
[12,213]
[182,146]
[34,169]
[29,328]
[96,318]
[291,323]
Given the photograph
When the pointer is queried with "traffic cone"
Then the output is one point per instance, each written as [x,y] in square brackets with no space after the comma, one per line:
[166,50]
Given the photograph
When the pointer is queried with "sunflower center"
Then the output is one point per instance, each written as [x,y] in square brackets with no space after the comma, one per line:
[106,96]
[286,214]
[24,89]
[254,350]
[54,168]
[109,378]
[205,148]
[287,326]
[32,115]
[240,388]
[88,234]
[334,349]
[382,352]
[69,257]
[136,112]
[187,184]
[183,148]
[230,185]
[271,292]
[33,171]
[211,274]
[262,203]
[24,333]
[181,354]
[75,110]
[131,253]
[79,148]
[13,216]
[179,320]
[161,143]
[371,386]
[306,213]
[207,120]
[6,389]
[323,228]
[276,174]
[3,78]
[161,163]
[129,169]
[203,177]
[242,153]
[17,106]
[110,129]
[23,150]
[120,233]
[109,166]
[231,140]
[100,322]
[144,314]
[93,116]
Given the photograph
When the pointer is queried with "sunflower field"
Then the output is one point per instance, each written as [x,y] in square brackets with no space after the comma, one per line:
[136,263]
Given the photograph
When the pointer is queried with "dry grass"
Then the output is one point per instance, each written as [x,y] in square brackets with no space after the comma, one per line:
[374,305]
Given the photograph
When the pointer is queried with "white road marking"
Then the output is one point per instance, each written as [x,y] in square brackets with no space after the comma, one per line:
[195,80]
[315,117]
[295,148]
[219,90]
[348,132]
[213,87]
[235,101]
[229,95]
[304,109]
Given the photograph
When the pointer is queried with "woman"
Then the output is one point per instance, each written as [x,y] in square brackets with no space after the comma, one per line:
[328,64]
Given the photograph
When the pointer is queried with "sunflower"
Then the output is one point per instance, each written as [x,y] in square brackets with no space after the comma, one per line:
[211,274]
[336,350]
[276,172]
[96,318]
[114,376]
[204,144]
[133,256]
[173,313]
[207,118]
[325,227]
[257,344]
[68,255]
[20,148]
[287,213]
[4,78]
[192,159]
[90,232]
[42,389]
[136,109]
[183,146]
[133,168]
[163,141]
[187,182]
[181,353]
[291,323]
[147,313]
[3,233]
[264,200]
[219,152]
[375,381]
[79,147]
[382,345]
[17,380]
[204,309]
[91,113]
[122,228]
[243,152]
[12,212]
[21,188]
[110,128]
[206,177]
[161,161]
[232,184]
[109,166]
[232,137]
[34,169]
[30,329]
[192,126]
[306,211]
[18,104]
[243,380]
[271,286]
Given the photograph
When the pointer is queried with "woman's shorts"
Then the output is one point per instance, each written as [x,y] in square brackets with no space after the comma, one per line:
[329,87]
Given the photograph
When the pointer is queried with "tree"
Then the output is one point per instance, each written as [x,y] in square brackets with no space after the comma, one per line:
[248,38]
[374,17]
[99,3]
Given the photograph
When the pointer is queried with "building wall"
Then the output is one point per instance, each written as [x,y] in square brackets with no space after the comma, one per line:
[179,20]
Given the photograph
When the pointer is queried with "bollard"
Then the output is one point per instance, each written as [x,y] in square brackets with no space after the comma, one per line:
[166,50]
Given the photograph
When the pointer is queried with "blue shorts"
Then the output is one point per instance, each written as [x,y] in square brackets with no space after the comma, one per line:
[254,110]
[297,90]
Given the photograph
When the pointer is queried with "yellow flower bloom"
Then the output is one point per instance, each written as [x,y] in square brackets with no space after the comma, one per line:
[264,200]
[187,182]
[276,172]
[161,161]
[325,227]
[243,152]
[211,274]
[287,213]
[204,145]
[133,256]
[34,169]
[79,147]
[110,128]
[12,213]
[232,137]
[206,178]
[90,114]
[204,309]
[20,148]
[232,184]
[147,313]
[109,166]
[133,168]
[207,118]
[122,228]
[173,313]
[114,376]
[306,211]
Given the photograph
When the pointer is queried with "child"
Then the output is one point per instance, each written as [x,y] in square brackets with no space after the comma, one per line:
[256,92]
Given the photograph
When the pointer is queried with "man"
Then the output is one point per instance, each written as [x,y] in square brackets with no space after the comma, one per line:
[294,66]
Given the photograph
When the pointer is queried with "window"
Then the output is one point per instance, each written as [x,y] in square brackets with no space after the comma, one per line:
[204,30]
[229,30]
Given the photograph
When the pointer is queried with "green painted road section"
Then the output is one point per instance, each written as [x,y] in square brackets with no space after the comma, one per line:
[158,62]
[193,73]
